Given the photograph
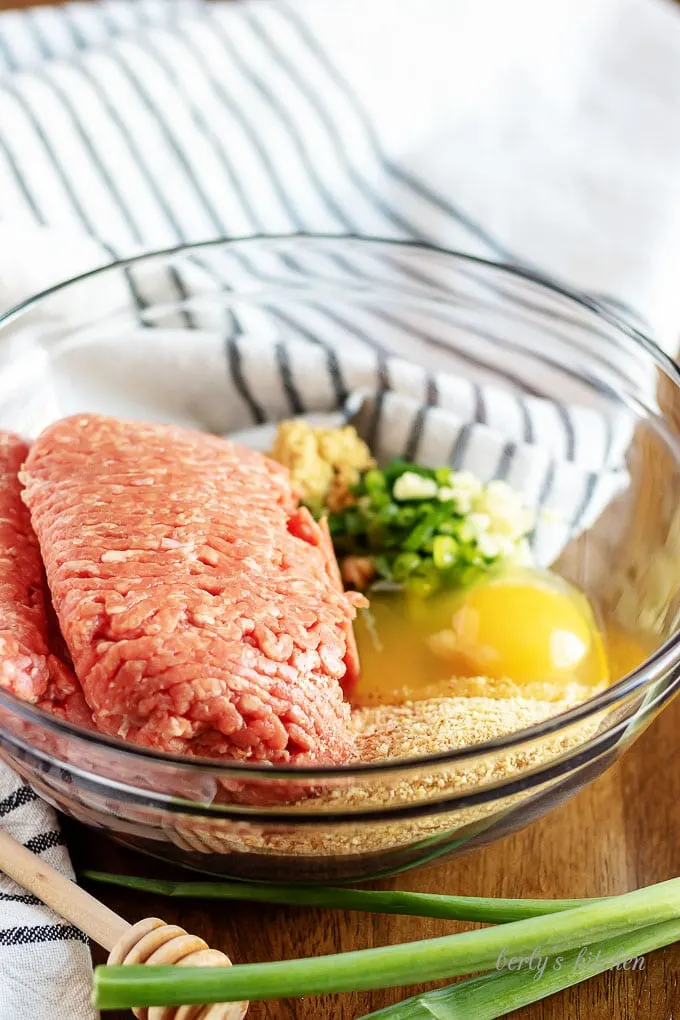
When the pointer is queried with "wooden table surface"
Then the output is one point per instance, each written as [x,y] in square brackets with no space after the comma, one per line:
[620,833]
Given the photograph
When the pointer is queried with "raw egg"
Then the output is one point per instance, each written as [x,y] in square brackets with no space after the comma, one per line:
[524,632]
[529,626]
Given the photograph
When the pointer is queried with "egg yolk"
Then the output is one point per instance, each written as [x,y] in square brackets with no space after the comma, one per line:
[528,626]
[526,633]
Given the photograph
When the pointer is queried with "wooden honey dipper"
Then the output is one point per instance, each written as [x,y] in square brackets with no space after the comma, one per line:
[149,941]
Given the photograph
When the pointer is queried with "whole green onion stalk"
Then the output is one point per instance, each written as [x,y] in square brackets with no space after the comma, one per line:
[390,966]
[503,990]
[455,908]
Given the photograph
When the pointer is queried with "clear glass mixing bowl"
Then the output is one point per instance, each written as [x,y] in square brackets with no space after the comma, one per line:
[115,340]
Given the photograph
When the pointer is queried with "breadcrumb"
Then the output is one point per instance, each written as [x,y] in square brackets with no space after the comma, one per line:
[433,726]
[504,687]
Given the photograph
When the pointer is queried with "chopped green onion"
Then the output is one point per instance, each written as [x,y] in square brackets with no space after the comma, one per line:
[389,513]
[381,499]
[398,467]
[353,522]
[449,527]
[374,480]
[444,551]
[404,565]
[424,530]
[336,525]
[406,516]
[412,486]
[405,508]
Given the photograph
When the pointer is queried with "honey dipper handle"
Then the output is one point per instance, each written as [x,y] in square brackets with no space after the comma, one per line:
[59,893]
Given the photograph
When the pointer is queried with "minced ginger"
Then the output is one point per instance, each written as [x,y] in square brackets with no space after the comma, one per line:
[324,463]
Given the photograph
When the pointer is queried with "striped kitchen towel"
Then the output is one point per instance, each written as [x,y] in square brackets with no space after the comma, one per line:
[44,962]
[533,133]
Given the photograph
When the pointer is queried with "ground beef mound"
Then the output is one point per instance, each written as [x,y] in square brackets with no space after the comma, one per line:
[28,667]
[23,623]
[199,603]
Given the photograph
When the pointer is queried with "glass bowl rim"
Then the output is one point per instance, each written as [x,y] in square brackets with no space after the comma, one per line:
[646,674]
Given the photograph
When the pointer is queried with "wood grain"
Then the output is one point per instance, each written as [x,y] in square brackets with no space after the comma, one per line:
[618,834]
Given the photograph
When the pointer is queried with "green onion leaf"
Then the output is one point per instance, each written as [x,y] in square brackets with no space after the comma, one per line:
[389,513]
[374,480]
[406,515]
[503,990]
[381,498]
[388,966]
[457,908]
[404,565]
[444,551]
[422,531]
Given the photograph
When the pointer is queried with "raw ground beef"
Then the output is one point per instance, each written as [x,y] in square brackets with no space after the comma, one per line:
[27,666]
[23,623]
[200,605]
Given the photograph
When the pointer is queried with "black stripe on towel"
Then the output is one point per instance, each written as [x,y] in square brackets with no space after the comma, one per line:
[30,900]
[465,299]
[480,415]
[97,161]
[546,487]
[219,146]
[569,433]
[294,74]
[416,187]
[505,460]
[20,180]
[607,460]
[459,447]
[72,26]
[17,799]
[351,327]
[248,128]
[175,144]
[129,140]
[33,24]
[526,420]
[592,480]
[28,935]
[280,111]
[6,55]
[370,431]
[287,380]
[44,841]
[332,361]
[235,367]
[52,159]
[418,424]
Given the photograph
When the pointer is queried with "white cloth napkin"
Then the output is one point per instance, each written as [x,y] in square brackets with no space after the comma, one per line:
[527,132]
